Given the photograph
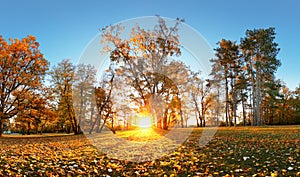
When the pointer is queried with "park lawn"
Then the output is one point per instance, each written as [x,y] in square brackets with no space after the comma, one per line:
[36,135]
[246,151]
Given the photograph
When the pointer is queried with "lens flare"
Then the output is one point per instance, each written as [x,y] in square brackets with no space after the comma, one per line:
[144,122]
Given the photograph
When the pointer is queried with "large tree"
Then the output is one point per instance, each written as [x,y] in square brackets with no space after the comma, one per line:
[22,67]
[260,53]
[144,60]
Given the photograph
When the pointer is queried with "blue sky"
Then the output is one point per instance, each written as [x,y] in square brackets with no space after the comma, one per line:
[65,27]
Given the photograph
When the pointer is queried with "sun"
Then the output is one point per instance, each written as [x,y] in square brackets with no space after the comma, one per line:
[144,121]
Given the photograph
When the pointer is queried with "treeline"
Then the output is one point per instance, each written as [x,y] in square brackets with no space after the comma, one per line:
[246,73]
[35,98]
[144,77]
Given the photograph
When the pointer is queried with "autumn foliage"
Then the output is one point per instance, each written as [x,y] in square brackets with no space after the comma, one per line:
[22,67]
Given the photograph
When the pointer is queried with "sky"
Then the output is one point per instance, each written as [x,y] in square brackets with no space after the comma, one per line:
[65,27]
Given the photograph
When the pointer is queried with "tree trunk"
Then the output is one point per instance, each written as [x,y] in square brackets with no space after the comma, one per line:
[234,114]
[102,126]
[93,124]
[253,94]
[28,128]
[36,128]
[226,102]
[1,127]
[98,129]
[258,97]
[254,104]
[106,117]
[159,123]
[165,118]
[181,118]
[186,121]
[75,125]
[197,119]
[201,123]
[259,101]
[244,112]
[271,117]
[218,106]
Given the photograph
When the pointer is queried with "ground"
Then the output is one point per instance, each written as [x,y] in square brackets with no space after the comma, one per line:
[263,151]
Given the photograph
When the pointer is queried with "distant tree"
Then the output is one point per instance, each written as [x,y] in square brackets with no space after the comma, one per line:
[296,104]
[104,104]
[62,77]
[271,103]
[216,107]
[201,96]
[285,108]
[22,68]
[195,89]
[281,105]
[206,99]
[83,92]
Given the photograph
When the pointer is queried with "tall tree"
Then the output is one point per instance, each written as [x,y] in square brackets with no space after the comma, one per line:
[260,52]
[62,77]
[83,92]
[22,67]
[242,89]
[225,69]
[144,60]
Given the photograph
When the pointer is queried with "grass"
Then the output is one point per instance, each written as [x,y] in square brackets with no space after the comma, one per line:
[36,135]
[241,151]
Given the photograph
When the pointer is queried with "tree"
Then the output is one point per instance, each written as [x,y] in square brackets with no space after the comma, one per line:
[22,68]
[272,103]
[195,88]
[242,89]
[252,70]
[296,104]
[206,99]
[103,99]
[260,53]
[62,77]
[286,105]
[201,97]
[144,62]
[226,67]
[216,105]
[36,110]
[83,92]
